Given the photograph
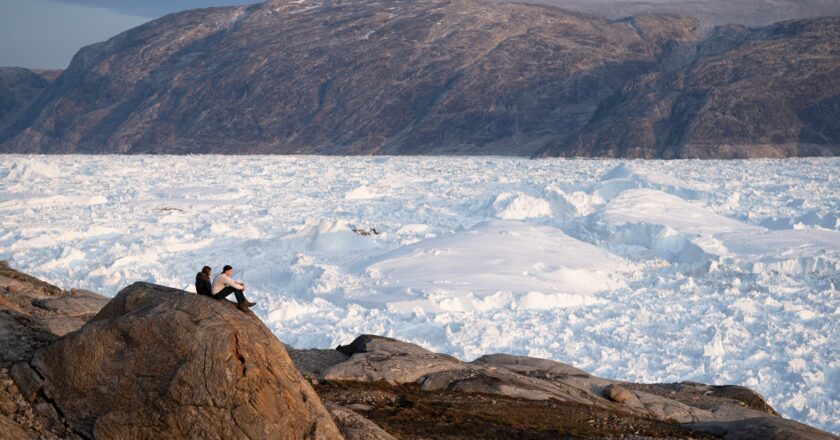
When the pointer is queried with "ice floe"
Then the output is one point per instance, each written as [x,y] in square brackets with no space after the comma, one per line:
[540,266]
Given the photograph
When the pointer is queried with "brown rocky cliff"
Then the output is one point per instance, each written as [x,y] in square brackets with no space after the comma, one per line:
[160,363]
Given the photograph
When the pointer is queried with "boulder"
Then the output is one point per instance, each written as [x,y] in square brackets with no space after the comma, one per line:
[11,285]
[618,394]
[502,382]
[528,366]
[162,363]
[692,401]
[377,358]
[742,395]
[77,303]
[313,362]
[34,313]
[27,380]
[353,426]
[20,336]
[69,313]
[765,428]
[33,287]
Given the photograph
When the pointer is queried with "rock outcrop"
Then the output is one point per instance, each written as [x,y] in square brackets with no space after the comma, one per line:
[771,428]
[355,427]
[161,363]
[154,362]
[376,358]
[386,380]
[33,313]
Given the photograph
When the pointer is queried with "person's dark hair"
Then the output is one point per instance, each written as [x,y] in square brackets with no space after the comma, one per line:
[226,268]
[206,270]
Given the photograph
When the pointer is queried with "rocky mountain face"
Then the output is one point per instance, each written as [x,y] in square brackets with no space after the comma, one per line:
[766,92]
[156,362]
[18,89]
[48,74]
[346,77]
[442,77]
[711,13]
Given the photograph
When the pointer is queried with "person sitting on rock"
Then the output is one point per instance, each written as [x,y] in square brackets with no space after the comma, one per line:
[202,282]
[224,285]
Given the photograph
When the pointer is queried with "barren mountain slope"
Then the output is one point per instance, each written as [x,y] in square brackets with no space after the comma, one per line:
[710,12]
[766,92]
[18,89]
[443,77]
[437,76]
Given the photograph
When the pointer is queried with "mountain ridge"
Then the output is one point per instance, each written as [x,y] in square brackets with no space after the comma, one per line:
[779,100]
[432,77]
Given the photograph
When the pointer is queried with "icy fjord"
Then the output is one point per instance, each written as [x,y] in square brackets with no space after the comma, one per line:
[722,272]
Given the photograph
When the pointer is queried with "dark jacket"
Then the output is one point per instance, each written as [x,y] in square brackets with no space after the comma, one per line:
[202,284]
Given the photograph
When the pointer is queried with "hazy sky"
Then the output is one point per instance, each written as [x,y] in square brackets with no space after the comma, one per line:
[45,34]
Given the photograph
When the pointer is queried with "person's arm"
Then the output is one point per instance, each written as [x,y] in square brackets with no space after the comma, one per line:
[234,284]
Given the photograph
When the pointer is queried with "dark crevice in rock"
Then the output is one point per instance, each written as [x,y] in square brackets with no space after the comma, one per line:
[42,395]
[242,367]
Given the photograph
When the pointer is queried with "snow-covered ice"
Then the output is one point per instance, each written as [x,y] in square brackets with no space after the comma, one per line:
[713,271]
[495,264]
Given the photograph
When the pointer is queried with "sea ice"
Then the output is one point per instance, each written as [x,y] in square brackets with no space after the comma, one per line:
[541,263]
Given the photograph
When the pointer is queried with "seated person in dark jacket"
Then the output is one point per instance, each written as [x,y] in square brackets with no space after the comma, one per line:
[202,282]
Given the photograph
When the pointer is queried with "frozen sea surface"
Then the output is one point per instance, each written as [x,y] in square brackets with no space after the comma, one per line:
[721,272]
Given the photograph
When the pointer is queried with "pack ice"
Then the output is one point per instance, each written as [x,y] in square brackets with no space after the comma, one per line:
[720,272]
